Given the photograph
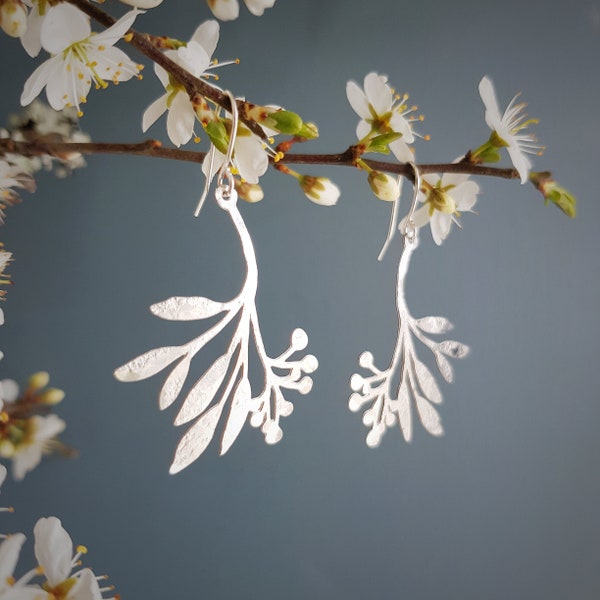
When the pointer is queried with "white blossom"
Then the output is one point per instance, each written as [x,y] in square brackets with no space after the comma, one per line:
[382,112]
[54,553]
[195,57]
[27,454]
[228,10]
[509,127]
[13,17]
[320,190]
[443,201]
[78,58]
[250,156]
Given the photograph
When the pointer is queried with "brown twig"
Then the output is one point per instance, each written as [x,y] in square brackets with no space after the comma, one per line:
[155,149]
[196,88]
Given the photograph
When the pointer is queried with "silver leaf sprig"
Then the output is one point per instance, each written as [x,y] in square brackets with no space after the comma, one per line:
[226,381]
[390,393]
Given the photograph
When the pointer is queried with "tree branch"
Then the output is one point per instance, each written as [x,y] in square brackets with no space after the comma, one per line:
[195,88]
[154,149]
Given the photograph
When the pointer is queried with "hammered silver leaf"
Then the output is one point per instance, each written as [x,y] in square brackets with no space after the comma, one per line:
[444,366]
[148,364]
[427,382]
[404,413]
[238,414]
[429,416]
[187,308]
[173,383]
[434,324]
[196,439]
[204,390]
[453,349]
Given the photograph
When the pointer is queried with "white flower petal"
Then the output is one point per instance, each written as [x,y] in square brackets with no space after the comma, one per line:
[257,7]
[115,65]
[31,39]
[440,226]
[250,158]
[358,101]
[226,10]
[64,24]
[488,96]
[53,549]
[86,587]
[116,31]
[194,58]
[10,390]
[3,472]
[465,195]
[153,112]
[521,163]
[180,119]
[49,426]
[421,216]
[39,78]
[378,93]
[207,35]
[401,151]
[9,555]
[362,129]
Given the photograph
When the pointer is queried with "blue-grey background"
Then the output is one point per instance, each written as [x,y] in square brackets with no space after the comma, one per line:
[505,505]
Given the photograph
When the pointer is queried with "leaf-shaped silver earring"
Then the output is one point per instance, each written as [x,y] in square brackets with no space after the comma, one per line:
[225,383]
[390,394]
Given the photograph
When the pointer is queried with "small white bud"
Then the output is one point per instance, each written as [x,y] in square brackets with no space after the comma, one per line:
[383,186]
[13,18]
[320,190]
[142,3]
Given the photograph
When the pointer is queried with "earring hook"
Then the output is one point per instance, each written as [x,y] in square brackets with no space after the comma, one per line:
[393,219]
[410,230]
[225,179]
[224,172]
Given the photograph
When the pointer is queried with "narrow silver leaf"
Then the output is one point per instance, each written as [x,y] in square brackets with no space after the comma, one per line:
[204,390]
[444,366]
[427,382]
[429,416]
[187,308]
[148,364]
[453,349]
[173,383]
[404,413]
[196,439]
[434,324]
[238,413]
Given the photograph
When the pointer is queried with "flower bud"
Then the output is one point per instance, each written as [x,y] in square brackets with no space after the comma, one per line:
[51,396]
[13,17]
[553,192]
[142,3]
[319,190]
[250,192]
[283,121]
[308,131]
[38,380]
[384,186]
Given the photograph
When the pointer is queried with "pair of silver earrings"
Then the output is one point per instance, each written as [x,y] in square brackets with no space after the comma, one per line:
[388,395]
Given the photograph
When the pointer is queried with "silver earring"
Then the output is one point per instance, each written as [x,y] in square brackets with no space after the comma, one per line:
[224,388]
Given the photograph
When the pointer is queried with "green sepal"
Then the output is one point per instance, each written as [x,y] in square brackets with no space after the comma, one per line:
[380,143]
[308,131]
[284,121]
[217,133]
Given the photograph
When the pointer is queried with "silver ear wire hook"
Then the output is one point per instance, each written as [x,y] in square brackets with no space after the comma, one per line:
[410,230]
[225,171]
[393,220]
[225,180]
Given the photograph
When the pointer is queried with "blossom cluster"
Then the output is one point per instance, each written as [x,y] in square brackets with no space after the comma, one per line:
[57,574]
